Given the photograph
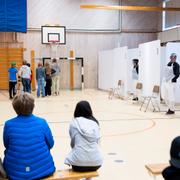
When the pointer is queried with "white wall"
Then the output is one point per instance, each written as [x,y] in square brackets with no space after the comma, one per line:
[149,66]
[68,13]
[106,70]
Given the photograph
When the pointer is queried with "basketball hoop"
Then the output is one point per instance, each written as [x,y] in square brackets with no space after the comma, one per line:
[54,44]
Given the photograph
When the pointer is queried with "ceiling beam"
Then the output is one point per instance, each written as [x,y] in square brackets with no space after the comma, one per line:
[129,8]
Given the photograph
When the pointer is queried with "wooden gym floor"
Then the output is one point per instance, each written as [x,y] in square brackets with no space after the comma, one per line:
[130,138]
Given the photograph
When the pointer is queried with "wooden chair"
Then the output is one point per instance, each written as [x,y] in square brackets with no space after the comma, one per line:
[117,90]
[156,169]
[68,174]
[155,95]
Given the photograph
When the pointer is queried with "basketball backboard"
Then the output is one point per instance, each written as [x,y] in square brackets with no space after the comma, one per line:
[51,34]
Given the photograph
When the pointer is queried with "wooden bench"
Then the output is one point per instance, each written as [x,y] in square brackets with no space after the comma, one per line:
[156,169]
[68,174]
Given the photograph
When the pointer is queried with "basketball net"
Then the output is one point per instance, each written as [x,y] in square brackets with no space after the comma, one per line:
[54,46]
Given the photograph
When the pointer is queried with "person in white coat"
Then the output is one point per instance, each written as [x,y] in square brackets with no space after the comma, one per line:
[85,135]
[135,76]
[169,81]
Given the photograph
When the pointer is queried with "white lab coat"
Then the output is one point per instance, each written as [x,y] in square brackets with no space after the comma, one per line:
[168,88]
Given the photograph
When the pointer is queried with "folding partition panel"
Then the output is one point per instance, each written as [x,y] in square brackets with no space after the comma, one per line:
[120,68]
[113,67]
[149,66]
[105,70]
[174,48]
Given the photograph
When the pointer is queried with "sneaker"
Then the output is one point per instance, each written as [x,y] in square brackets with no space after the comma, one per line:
[170,112]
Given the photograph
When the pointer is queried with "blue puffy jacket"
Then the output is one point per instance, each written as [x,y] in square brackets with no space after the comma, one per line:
[28,141]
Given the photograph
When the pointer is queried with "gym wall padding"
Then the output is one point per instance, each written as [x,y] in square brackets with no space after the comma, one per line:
[7,55]
[13,15]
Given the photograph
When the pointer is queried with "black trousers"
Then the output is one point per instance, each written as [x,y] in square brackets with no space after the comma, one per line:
[48,87]
[12,89]
[85,168]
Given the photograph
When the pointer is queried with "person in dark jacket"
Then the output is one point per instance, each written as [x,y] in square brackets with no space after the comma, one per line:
[27,140]
[173,171]
[135,77]
[171,76]
[48,71]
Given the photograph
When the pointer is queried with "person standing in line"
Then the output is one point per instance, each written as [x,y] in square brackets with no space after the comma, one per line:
[27,141]
[48,72]
[171,76]
[55,77]
[173,171]
[29,65]
[135,73]
[12,80]
[25,74]
[40,78]
[85,136]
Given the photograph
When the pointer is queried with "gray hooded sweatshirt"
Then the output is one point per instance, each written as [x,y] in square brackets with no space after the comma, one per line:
[85,136]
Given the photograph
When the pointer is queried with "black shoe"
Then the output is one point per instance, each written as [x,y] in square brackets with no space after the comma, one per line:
[135,99]
[170,112]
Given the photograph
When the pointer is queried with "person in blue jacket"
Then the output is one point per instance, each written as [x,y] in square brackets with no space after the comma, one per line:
[12,80]
[27,140]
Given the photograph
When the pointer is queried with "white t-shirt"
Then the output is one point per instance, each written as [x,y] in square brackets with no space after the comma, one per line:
[25,72]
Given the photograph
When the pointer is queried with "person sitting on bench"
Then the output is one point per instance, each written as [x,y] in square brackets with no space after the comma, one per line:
[27,140]
[173,171]
[85,135]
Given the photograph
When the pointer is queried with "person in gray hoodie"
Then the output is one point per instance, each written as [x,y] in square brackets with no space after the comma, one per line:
[85,135]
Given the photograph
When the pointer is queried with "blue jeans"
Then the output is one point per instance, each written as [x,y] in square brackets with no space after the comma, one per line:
[26,85]
[41,88]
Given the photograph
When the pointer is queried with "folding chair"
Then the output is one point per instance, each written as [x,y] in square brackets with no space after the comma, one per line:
[155,96]
[117,90]
[139,87]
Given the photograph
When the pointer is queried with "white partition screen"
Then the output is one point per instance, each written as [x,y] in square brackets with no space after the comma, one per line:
[174,48]
[149,66]
[112,67]
[105,70]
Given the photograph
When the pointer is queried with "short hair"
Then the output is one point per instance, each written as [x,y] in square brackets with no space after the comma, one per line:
[54,60]
[40,64]
[24,62]
[136,61]
[173,55]
[23,104]
[28,64]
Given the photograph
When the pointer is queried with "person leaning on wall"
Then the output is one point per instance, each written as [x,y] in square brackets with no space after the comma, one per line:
[27,140]
[169,82]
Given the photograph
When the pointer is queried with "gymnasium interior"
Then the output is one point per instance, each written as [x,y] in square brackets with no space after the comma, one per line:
[94,43]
